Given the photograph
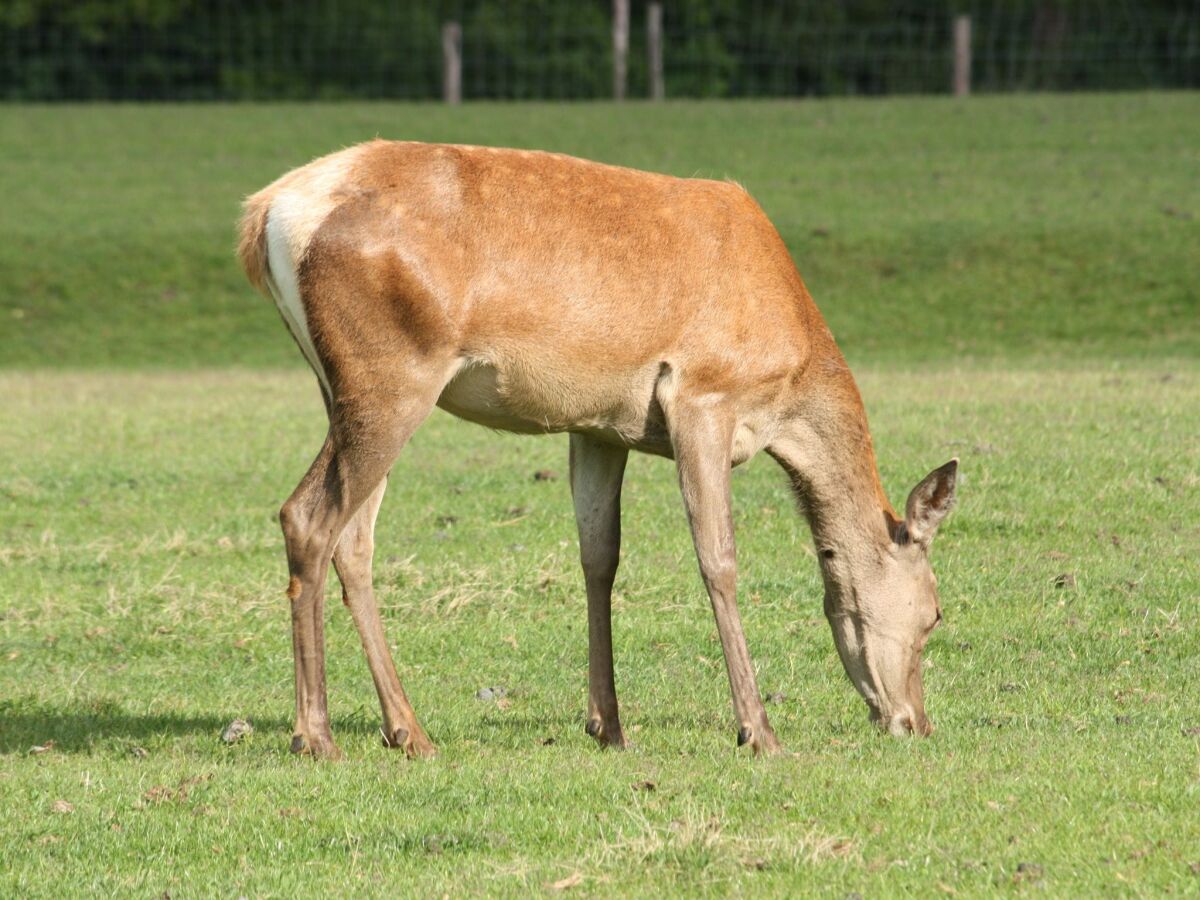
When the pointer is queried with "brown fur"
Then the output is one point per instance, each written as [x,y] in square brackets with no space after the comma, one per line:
[535,292]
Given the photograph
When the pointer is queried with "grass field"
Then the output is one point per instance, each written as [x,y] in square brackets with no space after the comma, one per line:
[1014,281]
[1053,226]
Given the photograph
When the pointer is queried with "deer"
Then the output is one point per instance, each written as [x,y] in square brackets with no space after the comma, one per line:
[538,293]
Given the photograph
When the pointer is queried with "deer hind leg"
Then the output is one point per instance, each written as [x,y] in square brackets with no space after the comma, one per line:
[702,440]
[352,560]
[364,439]
[596,474]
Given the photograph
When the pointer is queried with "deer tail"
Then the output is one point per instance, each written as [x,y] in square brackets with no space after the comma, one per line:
[252,239]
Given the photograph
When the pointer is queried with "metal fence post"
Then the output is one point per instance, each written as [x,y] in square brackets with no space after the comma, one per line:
[962,56]
[654,50]
[620,47]
[452,62]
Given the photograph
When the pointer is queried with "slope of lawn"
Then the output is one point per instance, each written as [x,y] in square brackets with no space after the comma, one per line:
[1048,226]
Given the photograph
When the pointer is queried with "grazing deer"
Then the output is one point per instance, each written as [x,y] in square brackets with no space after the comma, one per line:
[536,293]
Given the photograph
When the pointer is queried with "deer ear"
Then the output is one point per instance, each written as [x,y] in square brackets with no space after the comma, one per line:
[929,503]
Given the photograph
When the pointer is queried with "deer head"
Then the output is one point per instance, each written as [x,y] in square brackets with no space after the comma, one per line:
[882,605]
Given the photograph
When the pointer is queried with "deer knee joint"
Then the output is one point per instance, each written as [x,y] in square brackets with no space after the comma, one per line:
[291,520]
[600,564]
[356,549]
[720,577]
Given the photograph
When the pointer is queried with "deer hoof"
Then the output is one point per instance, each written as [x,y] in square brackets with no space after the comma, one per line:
[606,736]
[762,742]
[414,743]
[318,748]
[396,739]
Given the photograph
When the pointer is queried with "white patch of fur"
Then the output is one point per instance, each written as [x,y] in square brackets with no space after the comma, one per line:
[302,201]
[285,289]
[306,196]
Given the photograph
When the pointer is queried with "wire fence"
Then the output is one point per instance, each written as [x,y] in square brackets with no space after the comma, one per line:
[554,49]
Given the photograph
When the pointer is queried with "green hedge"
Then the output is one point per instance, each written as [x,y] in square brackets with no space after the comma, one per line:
[524,49]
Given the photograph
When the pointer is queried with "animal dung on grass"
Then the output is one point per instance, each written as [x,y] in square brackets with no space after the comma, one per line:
[236,730]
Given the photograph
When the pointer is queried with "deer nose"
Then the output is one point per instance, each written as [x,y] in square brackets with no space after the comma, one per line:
[907,723]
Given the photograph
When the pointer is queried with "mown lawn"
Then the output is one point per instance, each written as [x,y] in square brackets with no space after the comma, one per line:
[1014,280]
[1058,226]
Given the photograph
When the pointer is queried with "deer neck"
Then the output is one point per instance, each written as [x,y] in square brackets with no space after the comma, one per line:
[825,447]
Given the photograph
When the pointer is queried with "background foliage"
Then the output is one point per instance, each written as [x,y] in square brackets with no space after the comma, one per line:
[516,49]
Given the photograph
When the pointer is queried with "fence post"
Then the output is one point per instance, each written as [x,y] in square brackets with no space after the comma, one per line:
[962,56]
[620,47]
[452,62]
[654,49]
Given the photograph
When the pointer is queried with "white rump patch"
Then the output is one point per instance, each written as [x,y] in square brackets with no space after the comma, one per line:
[303,199]
[285,288]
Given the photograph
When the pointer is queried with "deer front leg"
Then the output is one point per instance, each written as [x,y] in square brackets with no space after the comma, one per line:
[596,473]
[352,559]
[702,441]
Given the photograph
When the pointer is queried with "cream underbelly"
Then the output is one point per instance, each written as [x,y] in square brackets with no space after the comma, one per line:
[621,411]
[529,401]
[474,395]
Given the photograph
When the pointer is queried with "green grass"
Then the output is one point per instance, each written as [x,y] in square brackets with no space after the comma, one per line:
[143,577]
[1047,226]
[1014,280]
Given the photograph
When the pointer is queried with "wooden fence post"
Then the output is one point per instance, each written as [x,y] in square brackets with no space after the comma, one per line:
[654,49]
[962,56]
[452,62]
[620,47]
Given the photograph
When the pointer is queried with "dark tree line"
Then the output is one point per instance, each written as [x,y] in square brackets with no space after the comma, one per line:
[294,49]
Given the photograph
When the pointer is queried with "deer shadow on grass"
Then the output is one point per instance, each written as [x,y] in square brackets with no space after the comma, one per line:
[85,727]
[91,727]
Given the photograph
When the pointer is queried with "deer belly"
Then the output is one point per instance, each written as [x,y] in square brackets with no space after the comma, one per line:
[542,399]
